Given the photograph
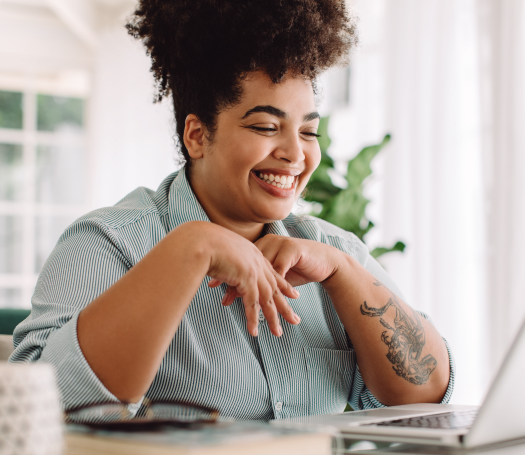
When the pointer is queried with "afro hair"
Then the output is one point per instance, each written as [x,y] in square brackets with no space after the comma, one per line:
[201,50]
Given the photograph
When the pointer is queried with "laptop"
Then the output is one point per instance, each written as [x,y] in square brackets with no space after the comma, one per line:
[500,418]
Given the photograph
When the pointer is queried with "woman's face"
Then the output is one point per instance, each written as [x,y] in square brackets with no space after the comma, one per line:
[263,152]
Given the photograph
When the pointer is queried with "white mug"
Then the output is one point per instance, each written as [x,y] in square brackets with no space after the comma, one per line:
[30,414]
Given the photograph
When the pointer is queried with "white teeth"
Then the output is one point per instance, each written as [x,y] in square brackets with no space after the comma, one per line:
[280,181]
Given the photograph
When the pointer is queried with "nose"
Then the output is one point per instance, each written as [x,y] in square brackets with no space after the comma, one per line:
[290,149]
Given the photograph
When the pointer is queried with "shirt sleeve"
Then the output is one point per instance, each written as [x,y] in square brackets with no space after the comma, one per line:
[85,262]
[360,396]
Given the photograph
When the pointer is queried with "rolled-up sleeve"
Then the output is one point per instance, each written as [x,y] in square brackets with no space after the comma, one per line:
[362,398]
[85,262]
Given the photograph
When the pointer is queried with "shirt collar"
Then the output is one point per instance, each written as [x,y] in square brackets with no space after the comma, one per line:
[277,228]
[183,206]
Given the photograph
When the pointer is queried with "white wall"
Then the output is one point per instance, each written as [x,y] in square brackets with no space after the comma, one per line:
[131,139]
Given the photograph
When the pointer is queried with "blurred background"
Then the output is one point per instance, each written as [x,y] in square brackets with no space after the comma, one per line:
[78,130]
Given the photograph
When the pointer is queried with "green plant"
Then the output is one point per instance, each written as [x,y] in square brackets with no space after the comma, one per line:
[345,207]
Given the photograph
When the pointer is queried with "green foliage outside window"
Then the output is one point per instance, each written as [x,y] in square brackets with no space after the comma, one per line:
[56,111]
[345,207]
[11,115]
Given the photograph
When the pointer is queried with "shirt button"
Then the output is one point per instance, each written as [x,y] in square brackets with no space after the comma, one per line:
[278,406]
[261,316]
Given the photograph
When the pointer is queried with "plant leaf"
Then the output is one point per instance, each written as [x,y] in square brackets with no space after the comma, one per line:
[322,130]
[347,209]
[380,250]
[320,191]
[359,167]
[321,173]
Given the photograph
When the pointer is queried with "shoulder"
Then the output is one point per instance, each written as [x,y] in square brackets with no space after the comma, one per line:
[139,204]
[312,228]
[132,226]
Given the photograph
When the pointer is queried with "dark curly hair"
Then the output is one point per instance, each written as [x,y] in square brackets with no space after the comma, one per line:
[201,50]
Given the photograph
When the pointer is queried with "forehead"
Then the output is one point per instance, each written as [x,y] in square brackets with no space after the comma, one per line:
[294,95]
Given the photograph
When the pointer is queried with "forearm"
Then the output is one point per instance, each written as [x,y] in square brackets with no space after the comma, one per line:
[401,356]
[125,332]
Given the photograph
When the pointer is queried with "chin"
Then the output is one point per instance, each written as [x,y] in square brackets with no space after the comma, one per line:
[271,216]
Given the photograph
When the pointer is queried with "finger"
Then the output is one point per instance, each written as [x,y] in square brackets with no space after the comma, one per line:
[250,298]
[286,288]
[282,306]
[268,249]
[284,260]
[214,283]
[230,295]
[268,306]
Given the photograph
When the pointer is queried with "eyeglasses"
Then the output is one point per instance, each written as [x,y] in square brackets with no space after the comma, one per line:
[116,416]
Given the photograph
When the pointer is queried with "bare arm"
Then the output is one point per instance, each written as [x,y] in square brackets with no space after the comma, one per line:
[125,332]
[401,356]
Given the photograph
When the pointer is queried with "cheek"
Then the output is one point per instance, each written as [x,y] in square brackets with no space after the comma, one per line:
[313,158]
[248,153]
[231,158]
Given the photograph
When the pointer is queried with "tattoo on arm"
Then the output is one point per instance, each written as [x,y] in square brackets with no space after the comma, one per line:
[405,341]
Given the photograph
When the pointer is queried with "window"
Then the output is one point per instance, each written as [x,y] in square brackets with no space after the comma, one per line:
[43,184]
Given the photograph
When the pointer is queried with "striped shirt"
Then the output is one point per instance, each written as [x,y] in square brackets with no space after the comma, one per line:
[212,360]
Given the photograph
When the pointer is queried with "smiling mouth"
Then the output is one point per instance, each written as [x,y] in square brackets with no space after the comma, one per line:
[285,182]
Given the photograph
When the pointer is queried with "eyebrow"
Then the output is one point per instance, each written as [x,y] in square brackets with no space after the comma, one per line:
[268,109]
[311,116]
[276,112]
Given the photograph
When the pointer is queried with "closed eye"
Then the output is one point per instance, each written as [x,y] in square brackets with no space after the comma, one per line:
[259,128]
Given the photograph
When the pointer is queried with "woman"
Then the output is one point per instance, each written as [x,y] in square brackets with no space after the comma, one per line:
[129,303]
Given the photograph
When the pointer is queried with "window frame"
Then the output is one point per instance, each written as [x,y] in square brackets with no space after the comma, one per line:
[28,208]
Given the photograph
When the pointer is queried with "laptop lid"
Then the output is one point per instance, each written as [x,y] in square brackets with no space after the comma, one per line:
[501,417]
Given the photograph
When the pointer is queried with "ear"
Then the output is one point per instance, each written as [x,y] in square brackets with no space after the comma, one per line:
[194,136]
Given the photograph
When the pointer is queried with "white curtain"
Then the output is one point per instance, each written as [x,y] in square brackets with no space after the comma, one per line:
[445,78]
[502,76]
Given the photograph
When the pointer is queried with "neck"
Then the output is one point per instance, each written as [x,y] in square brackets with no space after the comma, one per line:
[251,231]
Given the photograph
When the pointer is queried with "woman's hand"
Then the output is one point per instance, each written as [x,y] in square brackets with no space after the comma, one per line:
[300,261]
[240,264]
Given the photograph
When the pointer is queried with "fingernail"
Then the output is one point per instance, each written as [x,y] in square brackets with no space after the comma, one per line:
[256,332]
[295,292]
[297,318]
[280,331]
[224,298]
